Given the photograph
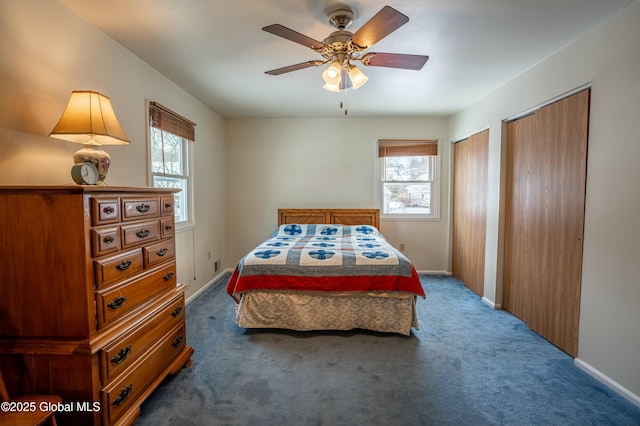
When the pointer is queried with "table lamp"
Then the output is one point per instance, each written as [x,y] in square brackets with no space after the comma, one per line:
[89,120]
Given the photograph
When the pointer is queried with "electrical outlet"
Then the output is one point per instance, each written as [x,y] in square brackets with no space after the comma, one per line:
[216,265]
[401,246]
[209,255]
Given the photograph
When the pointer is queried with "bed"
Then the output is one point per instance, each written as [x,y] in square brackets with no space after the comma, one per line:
[326,269]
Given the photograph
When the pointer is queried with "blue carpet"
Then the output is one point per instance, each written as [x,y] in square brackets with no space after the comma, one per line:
[467,365]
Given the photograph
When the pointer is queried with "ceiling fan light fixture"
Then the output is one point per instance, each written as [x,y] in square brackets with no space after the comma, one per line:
[358,79]
[331,75]
[332,87]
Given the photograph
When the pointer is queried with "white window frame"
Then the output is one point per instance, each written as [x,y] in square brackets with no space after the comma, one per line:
[187,167]
[435,192]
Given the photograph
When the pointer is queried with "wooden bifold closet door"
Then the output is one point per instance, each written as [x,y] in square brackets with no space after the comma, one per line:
[546,182]
[470,170]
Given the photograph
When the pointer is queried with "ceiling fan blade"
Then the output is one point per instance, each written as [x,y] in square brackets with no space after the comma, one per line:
[295,67]
[383,23]
[294,36]
[395,60]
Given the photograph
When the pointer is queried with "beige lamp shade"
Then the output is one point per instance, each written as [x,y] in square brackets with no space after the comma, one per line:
[89,119]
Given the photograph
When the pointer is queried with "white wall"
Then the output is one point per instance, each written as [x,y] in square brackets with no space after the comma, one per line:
[608,58]
[315,163]
[48,51]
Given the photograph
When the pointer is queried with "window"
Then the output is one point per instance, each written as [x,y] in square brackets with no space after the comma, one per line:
[409,178]
[169,141]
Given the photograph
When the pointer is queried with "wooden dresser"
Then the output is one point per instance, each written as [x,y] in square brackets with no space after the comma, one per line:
[90,307]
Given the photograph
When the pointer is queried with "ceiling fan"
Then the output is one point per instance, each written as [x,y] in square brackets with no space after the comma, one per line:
[341,47]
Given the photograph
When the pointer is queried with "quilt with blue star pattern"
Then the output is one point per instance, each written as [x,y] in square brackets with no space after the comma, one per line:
[322,257]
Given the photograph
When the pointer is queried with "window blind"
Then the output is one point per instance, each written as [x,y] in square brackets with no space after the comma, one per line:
[163,118]
[405,147]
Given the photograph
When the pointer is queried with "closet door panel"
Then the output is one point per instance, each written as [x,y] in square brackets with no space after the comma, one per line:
[566,125]
[469,210]
[546,179]
[521,218]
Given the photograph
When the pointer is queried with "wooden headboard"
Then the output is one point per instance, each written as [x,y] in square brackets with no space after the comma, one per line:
[334,216]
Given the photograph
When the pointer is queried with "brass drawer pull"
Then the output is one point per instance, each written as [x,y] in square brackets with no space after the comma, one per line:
[162,252]
[168,206]
[108,210]
[143,233]
[108,239]
[124,265]
[143,208]
[124,394]
[122,355]
[177,341]
[168,276]
[168,228]
[117,302]
[176,311]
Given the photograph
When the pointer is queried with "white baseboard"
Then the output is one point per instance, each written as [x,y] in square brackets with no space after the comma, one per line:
[601,377]
[491,304]
[433,273]
[206,286]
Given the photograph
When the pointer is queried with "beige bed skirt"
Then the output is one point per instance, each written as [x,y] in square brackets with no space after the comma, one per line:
[385,312]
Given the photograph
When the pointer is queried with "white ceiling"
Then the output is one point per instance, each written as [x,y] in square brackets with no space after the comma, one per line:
[217,51]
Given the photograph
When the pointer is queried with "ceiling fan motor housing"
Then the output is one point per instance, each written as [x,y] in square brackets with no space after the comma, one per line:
[341,18]
[337,46]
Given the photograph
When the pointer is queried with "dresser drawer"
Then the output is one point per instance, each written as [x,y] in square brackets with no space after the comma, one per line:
[157,253]
[117,268]
[105,210]
[139,208]
[105,240]
[115,302]
[118,397]
[167,204]
[167,227]
[140,232]
[119,355]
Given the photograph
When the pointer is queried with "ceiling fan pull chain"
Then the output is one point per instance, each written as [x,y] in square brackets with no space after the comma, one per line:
[346,96]
[343,103]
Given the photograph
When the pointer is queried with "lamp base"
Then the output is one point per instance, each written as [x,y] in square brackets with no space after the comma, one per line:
[94,154]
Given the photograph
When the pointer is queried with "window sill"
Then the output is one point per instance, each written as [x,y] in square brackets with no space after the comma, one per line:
[184,227]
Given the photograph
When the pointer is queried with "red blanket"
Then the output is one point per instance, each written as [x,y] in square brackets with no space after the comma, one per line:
[383,283]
